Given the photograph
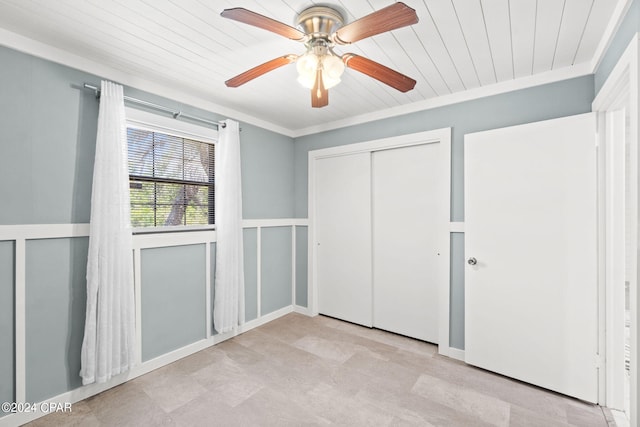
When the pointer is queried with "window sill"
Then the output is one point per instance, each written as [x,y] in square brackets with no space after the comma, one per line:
[172,229]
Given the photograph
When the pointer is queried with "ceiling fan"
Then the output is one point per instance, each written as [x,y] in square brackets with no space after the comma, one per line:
[320,68]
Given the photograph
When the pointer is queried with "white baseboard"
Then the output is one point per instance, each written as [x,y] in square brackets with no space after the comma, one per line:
[621,418]
[87,391]
[302,310]
[265,319]
[456,353]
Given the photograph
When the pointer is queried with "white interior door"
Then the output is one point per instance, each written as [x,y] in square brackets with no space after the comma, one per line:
[531,226]
[343,236]
[407,225]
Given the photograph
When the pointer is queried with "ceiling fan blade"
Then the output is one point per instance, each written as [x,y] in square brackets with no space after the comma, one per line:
[261,69]
[392,17]
[379,72]
[248,17]
[319,94]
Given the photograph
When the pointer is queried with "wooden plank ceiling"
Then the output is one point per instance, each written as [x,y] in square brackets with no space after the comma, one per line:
[457,45]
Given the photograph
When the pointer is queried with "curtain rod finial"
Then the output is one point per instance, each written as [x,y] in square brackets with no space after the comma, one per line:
[95,89]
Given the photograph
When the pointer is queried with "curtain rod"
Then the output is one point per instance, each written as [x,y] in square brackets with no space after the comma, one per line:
[175,114]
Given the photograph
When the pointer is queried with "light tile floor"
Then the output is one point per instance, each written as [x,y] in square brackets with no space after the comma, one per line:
[321,371]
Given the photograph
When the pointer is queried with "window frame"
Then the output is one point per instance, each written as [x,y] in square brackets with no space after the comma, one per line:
[143,120]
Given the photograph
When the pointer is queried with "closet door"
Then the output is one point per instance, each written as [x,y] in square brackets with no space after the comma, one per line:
[343,237]
[407,228]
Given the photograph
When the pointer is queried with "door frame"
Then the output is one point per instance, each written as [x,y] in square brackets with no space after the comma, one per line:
[441,136]
[620,90]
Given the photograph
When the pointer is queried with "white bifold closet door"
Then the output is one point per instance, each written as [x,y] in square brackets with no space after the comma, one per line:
[343,230]
[406,186]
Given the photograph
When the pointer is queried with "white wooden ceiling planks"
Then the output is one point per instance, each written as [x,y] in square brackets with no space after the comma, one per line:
[184,44]
[570,35]
[595,27]
[523,33]
[454,40]
[548,20]
[474,30]
[499,30]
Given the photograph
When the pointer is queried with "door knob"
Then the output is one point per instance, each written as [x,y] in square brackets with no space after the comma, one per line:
[472,261]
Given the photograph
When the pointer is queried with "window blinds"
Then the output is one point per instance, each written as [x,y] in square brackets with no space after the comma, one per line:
[171,179]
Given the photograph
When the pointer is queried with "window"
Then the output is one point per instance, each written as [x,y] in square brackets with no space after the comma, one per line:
[171,178]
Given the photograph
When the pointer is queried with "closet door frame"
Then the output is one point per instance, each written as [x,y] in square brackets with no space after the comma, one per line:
[439,136]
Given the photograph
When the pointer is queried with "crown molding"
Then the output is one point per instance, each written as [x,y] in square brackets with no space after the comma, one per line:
[547,77]
[42,50]
[619,13]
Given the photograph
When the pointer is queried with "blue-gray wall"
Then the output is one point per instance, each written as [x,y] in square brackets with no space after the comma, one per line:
[47,142]
[629,28]
[7,325]
[55,311]
[173,298]
[250,245]
[456,291]
[48,129]
[302,239]
[267,174]
[276,269]
[524,106]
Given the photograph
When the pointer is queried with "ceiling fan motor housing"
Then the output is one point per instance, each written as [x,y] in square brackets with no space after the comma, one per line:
[320,22]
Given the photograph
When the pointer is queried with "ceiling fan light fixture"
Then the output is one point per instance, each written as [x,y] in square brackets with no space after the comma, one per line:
[332,69]
[329,82]
[307,65]
[306,81]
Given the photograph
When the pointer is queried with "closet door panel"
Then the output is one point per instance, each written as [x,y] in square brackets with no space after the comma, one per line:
[343,237]
[407,222]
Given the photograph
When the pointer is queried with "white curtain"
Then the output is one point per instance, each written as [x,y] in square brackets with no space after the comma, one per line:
[228,306]
[108,347]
